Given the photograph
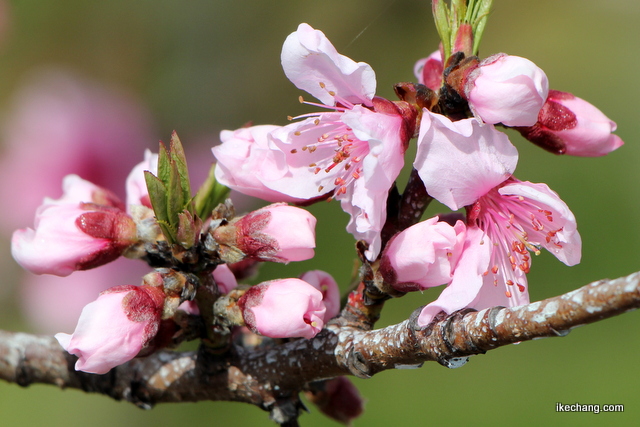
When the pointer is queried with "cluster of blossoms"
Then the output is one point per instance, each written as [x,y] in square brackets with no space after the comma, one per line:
[352,150]
[89,227]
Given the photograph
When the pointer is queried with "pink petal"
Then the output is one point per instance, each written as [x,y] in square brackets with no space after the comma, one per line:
[309,60]
[326,284]
[461,161]
[567,244]
[247,162]
[467,279]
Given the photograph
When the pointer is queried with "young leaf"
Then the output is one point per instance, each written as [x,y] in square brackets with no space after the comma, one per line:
[210,194]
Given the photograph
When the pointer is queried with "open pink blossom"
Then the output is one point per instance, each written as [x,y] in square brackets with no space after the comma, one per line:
[276,233]
[325,283]
[506,89]
[422,256]
[70,235]
[461,161]
[463,164]
[352,152]
[284,308]
[570,125]
[114,328]
[429,70]
[355,150]
[505,226]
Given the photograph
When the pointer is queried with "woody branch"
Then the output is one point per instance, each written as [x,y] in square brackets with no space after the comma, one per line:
[265,376]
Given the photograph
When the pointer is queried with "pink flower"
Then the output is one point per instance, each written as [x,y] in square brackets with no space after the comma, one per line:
[506,89]
[422,256]
[114,328]
[71,235]
[429,70]
[505,225]
[518,218]
[464,164]
[570,125]
[284,308]
[276,233]
[326,284]
[356,150]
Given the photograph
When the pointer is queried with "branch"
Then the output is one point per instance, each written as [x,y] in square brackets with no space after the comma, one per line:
[272,377]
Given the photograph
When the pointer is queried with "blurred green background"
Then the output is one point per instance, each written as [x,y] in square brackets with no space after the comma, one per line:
[205,65]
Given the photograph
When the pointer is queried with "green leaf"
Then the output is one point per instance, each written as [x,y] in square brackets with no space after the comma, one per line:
[210,194]
[479,21]
[158,197]
[186,235]
[179,159]
[164,164]
[175,195]
[441,17]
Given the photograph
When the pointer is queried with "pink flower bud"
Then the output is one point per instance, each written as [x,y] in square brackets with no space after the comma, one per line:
[338,399]
[277,233]
[570,125]
[325,283]
[137,193]
[114,328]
[224,278]
[423,255]
[284,308]
[429,70]
[70,237]
[506,89]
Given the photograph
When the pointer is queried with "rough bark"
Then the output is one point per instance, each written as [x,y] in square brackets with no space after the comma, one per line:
[272,377]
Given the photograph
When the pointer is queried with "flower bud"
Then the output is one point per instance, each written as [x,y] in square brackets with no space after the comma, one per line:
[136,185]
[284,308]
[429,70]
[506,89]
[70,237]
[422,256]
[277,233]
[570,125]
[337,398]
[224,278]
[325,283]
[114,328]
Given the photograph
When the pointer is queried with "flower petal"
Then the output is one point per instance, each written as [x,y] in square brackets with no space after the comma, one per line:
[461,161]
[310,60]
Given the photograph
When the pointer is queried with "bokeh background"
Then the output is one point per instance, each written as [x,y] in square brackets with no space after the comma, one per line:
[147,67]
